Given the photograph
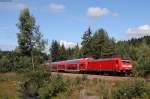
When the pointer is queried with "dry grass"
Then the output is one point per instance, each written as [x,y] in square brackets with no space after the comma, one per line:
[96,88]
[8,85]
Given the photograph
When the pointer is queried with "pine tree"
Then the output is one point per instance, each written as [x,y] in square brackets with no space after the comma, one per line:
[63,53]
[76,52]
[102,45]
[54,50]
[108,48]
[86,43]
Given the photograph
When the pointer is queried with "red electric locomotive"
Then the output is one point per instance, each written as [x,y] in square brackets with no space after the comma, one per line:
[88,64]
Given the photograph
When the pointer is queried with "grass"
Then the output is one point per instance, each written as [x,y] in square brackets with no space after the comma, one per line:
[8,83]
[104,89]
[82,88]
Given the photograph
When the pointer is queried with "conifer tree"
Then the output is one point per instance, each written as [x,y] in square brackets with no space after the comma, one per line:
[86,43]
[54,50]
[102,45]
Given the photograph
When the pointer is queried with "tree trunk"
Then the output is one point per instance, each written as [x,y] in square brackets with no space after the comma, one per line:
[33,66]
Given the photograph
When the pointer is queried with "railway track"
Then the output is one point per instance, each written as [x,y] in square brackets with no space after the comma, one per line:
[92,76]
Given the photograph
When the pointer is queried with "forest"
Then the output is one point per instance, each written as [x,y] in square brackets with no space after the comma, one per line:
[28,60]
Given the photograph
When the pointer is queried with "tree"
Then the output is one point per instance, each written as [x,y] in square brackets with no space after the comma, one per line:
[38,42]
[54,50]
[86,43]
[143,59]
[63,52]
[102,45]
[59,52]
[26,26]
[30,39]
[108,48]
[77,52]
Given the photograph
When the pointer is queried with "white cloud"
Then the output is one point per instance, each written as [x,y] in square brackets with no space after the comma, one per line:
[56,7]
[7,47]
[139,31]
[68,44]
[98,12]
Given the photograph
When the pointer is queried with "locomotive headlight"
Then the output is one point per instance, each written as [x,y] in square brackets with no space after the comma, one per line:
[129,65]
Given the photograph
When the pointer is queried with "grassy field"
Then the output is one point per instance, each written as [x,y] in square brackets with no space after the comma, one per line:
[78,87]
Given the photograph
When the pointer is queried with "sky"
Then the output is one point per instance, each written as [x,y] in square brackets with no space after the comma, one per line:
[67,20]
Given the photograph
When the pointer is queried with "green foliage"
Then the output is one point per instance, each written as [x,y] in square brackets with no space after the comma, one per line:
[55,86]
[26,25]
[30,39]
[86,43]
[33,80]
[84,77]
[139,51]
[102,45]
[54,50]
[97,45]
[77,81]
[16,62]
[11,61]
[133,89]
[59,52]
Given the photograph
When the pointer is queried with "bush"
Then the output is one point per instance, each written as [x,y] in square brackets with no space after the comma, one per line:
[134,89]
[52,88]
[32,82]
[77,81]
[84,77]
[12,61]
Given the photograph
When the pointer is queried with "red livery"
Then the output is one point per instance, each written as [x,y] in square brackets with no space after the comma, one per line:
[89,64]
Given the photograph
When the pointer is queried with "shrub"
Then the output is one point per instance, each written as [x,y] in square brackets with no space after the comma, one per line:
[52,88]
[84,77]
[77,81]
[32,82]
[134,89]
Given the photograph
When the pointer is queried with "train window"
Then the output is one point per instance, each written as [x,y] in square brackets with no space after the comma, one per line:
[126,62]
[81,64]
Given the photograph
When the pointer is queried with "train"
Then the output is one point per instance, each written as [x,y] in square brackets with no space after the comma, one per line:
[106,65]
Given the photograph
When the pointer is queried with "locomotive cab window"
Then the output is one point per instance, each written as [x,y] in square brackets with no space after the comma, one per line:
[126,62]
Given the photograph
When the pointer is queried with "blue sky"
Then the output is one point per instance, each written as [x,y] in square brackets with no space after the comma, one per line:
[67,20]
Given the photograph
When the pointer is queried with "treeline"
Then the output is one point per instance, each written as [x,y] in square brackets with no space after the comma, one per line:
[94,45]
[138,50]
[59,52]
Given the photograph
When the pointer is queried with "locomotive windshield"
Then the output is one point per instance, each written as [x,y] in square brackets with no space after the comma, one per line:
[126,62]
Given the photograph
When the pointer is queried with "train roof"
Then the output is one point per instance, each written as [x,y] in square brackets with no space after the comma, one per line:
[82,60]
[73,61]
